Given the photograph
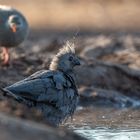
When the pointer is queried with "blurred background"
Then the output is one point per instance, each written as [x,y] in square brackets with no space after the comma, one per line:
[88,15]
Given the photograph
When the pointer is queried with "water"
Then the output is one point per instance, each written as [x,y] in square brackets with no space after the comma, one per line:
[101,123]
[109,134]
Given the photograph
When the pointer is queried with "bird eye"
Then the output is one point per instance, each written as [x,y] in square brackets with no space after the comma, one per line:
[70,58]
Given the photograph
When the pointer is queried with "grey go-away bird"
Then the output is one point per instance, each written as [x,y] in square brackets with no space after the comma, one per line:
[52,91]
[13,30]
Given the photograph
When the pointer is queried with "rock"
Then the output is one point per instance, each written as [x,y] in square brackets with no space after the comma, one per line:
[99,46]
[15,129]
[95,96]
[109,76]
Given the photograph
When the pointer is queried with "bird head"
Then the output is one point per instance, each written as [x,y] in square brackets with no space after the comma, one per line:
[15,23]
[66,59]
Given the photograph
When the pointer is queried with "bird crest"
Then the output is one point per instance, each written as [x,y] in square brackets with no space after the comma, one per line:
[67,48]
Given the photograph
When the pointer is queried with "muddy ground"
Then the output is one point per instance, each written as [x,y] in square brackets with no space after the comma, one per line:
[108,77]
[109,74]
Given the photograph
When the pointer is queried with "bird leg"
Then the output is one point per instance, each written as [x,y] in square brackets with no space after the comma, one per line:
[5,56]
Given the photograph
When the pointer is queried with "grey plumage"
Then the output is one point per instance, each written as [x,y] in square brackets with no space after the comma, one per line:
[52,91]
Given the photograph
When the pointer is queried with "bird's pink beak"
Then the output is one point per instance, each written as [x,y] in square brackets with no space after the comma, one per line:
[14,28]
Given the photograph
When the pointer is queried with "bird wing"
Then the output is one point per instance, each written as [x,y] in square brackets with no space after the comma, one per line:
[42,86]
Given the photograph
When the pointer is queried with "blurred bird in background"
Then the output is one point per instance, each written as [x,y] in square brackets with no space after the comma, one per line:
[52,91]
[13,30]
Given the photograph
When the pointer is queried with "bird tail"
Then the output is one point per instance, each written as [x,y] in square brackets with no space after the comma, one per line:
[3,91]
[8,93]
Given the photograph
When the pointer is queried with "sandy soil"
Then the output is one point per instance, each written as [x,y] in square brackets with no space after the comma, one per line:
[88,15]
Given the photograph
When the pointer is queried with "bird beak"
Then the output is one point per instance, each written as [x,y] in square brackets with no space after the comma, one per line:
[77,61]
[14,28]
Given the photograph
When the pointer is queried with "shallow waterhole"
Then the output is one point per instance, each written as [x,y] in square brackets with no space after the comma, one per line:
[106,123]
